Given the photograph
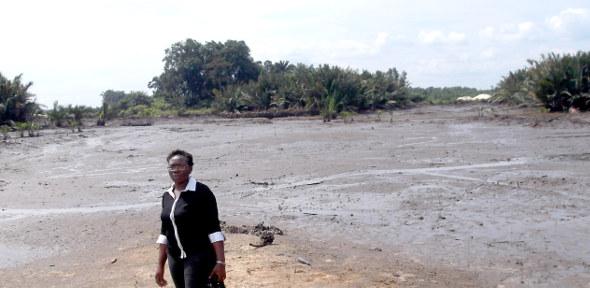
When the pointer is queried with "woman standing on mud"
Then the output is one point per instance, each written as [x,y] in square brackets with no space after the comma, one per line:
[190,238]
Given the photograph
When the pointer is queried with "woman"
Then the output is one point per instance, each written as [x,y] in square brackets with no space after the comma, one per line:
[190,238]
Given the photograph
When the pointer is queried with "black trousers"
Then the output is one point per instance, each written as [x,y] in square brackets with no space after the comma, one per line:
[192,271]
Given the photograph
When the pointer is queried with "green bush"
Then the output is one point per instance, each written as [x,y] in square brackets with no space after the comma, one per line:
[559,82]
[17,104]
[4,130]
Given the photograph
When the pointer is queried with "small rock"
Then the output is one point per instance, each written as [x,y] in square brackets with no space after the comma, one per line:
[114,261]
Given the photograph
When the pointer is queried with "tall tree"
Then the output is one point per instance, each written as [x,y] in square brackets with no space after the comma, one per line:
[193,70]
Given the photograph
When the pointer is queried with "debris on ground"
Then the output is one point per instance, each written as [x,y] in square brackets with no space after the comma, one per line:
[266,233]
[303,261]
[266,238]
[257,229]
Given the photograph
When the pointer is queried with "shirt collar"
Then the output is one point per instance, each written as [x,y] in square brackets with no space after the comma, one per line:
[190,186]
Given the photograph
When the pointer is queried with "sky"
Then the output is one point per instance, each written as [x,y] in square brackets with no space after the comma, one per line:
[73,50]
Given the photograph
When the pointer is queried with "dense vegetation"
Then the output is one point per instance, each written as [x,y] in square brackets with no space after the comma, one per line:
[17,107]
[220,77]
[69,116]
[121,104]
[193,70]
[559,82]
[223,76]
[17,104]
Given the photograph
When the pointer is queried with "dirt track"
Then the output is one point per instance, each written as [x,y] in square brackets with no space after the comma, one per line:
[467,196]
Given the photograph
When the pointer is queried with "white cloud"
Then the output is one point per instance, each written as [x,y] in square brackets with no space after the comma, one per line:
[381,40]
[487,32]
[455,37]
[347,48]
[568,18]
[509,32]
[525,27]
[437,36]
[332,51]
[570,24]
[119,44]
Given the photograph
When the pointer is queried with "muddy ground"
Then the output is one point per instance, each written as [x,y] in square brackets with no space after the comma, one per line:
[447,196]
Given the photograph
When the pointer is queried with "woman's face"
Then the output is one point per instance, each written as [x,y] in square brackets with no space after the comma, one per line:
[178,169]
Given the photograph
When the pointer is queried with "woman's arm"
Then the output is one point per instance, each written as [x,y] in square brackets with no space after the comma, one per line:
[161,263]
[215,236]
[219,269]
[163,253]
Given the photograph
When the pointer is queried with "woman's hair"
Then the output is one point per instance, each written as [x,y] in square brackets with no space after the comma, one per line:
[188,156]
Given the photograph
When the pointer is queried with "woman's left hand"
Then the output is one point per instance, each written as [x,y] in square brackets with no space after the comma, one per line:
[218,272]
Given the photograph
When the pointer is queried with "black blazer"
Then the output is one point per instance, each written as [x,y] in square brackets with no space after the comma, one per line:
[195,217]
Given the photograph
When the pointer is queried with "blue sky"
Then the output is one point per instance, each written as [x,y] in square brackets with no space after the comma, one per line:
[74,50]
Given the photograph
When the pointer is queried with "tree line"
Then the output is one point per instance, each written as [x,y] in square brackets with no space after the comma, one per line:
[19,110]
[224,77]
[215,77]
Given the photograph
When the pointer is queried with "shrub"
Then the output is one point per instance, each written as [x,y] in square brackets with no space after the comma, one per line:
[559,82]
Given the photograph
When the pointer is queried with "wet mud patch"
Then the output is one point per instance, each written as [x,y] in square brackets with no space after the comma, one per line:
[570,157]
[433,199]
[182,129]
[3,183]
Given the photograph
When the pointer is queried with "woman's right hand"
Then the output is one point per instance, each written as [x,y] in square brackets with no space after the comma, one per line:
[160,277]
[162,250]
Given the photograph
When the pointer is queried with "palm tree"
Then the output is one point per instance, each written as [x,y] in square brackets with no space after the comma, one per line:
[16,103]
[57,115]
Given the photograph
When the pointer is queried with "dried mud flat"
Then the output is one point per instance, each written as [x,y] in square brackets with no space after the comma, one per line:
[455,196]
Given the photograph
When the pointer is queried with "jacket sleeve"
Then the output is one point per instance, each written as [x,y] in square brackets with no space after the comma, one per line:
[162,239]
[212,226]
